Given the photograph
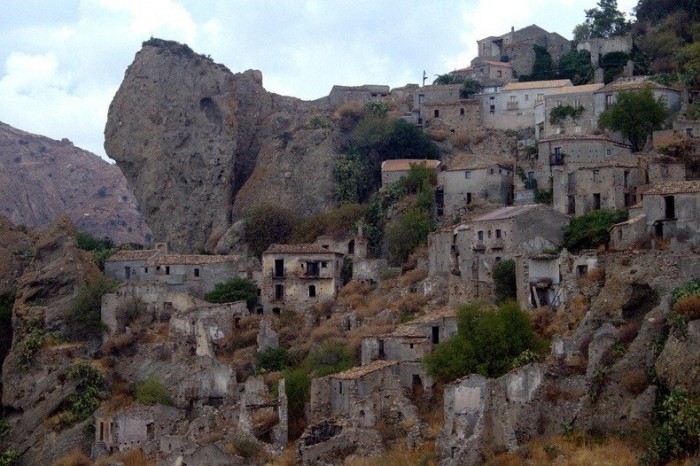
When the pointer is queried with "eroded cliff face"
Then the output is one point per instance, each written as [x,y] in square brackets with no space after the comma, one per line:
[199,145]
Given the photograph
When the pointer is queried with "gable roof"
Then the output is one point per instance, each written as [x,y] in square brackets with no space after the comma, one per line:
[361,371]
[444,313]
[675,187]
[577,89]
[306,248]
[399,165]
[137,255]
[636,84]
[536,85]
[507,212]
[190,259]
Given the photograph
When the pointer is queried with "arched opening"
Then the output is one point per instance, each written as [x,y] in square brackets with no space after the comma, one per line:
[437,113]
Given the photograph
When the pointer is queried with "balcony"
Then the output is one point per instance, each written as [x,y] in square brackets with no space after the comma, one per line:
[556,159]
[479,246]
[512,106]
[278,273]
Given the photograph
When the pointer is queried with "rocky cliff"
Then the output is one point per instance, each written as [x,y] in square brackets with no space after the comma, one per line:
[40,178]
[199,145]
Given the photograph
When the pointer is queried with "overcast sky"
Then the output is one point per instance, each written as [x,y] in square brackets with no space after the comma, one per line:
[61,62]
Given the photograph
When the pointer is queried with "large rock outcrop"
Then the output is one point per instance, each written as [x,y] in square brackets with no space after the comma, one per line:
[199,145]
[41,178]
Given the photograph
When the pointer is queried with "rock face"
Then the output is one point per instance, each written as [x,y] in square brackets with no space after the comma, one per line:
[199,145]
[40,178]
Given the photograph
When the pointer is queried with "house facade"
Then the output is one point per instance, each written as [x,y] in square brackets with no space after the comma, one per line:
[606,96]
[394,170]
[297,276]
[580,99]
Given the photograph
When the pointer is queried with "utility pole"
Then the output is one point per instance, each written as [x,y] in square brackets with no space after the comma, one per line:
[425,76]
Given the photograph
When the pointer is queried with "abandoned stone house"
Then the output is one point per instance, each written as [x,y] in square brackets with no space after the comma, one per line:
[436,94]
[514,106]
[195,274]
[467,253]
[489,73]
[452,116]
[366,93]
[296,276]
[136,427]
[598,47]
[516,48]
[394,170]
[578,98]
[469,179]
[669,214]
[607,185]
[605,97]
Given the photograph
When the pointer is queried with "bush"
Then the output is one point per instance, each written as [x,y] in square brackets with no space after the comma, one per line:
[591,229]
[406,232]
[89,392]
[329,358]
[505,286]
[677,431]
[342,220]
[88,242]
[297,388]
[690,288]
[272,359]
[489,341]
[83,317]
[267,224]
[150,391]
[236,289]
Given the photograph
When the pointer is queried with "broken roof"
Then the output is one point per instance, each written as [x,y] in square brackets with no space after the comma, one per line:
[139,255]
[464,161]
[190,259]
[361,371]
[536,85]
[305,248]
[637,84]
[675,187]
[507,212]
[444,313]
[399,165]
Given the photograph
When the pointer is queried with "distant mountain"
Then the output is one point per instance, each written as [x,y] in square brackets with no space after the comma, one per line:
[40,178]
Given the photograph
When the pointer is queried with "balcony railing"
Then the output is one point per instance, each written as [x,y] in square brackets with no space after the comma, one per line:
[556,159]
[512,106]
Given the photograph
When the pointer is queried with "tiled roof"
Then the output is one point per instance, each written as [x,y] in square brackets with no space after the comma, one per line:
[404,331]
[140,255]
[631,86]
[561,137]
[577,89]
[190,259]
[620,162]
[445,312]
[474,162]
[298,249]
[535,85]
[361,371]
[675,187]
[632,220]
[399,165]
[498,63]
[507,212]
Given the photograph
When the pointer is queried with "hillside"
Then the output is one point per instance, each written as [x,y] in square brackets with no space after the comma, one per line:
[40,178]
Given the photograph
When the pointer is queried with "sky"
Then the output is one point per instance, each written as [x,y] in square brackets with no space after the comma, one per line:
[61,62]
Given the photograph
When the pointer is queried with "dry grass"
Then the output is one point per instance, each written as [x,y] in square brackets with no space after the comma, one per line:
[592,277]
[460,140]
[439,134]
[628,332]
[635,381]
[73,458]
[398,455]
[128,458]
[571,451]
[354,294]
[287,458]
[411,304]
[117,343]
[688,306]
[329,328]
[412,277]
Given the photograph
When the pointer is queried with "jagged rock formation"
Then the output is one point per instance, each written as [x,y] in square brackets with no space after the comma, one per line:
[40,178]
[199,145]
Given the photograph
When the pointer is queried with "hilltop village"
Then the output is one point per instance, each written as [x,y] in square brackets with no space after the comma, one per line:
[330,355]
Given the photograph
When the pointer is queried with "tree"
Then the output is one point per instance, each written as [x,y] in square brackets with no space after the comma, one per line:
[352,179]
[542,68]
[406,232]
[635,114]
[469,88]
[581,32]
[448,78]
[606,20]
[505,286]
[236,289]
[267,224]
[576,66]
[591,229]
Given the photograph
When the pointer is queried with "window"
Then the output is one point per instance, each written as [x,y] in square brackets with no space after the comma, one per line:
[609,100]
[312,291]
[498,234]
[167,270]
[421,98]
[513,98]
[498,259]
[279,268]
[608,152]
[527,97]
[596,175]
[436,335]
[626,178]
[196,272]
[499,74]
[480,235]
[145,270]
[596,201]
[664,171]
[571,205]
[461,111]
[559,103]
[540,97]
[469,198]
[437,113]
[492,171]
[467,174]
[127,272]
[577,103]
[488,233]
[324,264]
[279,291]
[351,251]
[669,207]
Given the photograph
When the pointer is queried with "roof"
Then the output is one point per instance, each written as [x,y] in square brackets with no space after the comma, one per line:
[582,137]
[632,85]
[305,248]
[675,187]
[577,89]
[631,220]
[535,85]
[617,162]
[404,331]
[139,255]
[191,259]
[465,161]
[398,165]
[361,371]
[498,63]
[444,313]
[507,212]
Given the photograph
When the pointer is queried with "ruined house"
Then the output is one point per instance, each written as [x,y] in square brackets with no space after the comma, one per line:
[297,276]
[669,214]
[436,94]
[366,93]
[580,99]
[490,73]
[394,170]
[471,178]
[514,107]
[605,96]
[452,116]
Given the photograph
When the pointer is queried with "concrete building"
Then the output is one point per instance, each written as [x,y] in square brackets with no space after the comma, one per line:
[470,178]
[394,170]
[514,106]
[578,98]
[297,276]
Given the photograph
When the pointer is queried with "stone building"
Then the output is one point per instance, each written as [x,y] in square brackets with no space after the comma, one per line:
[467,253]
[394,170]
[363,94]
[669,214]
[434,94]
[514,106]
[576,97]
[605,96]
[488,72]
[470,178]
[598,46]
[297,276]
[516,47]
[452,116]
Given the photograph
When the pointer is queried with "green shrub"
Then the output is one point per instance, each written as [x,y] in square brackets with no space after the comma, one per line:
[677,431]
[329,358]
[297,385]
[591,229]
[488,342]
[505,286]
[83,317]
[88,242]
[89,392]
[29,346]
[272,359]
[267,224]
[236,289]
[687,289]
[8,457]
[5,430]
[406,232]
[7,300]
[150,391]
[342,220]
